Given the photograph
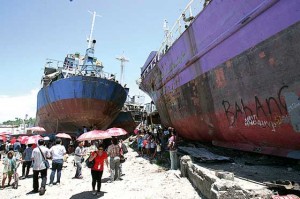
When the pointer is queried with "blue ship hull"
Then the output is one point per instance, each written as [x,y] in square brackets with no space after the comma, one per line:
[66,105]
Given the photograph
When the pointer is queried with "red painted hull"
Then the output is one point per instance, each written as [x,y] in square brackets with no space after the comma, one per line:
[250,99]
[71,115]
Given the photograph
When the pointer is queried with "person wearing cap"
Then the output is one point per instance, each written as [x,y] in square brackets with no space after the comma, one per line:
[99,157]
[9,166]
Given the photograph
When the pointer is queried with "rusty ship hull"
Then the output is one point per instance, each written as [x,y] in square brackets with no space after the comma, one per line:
[233,78]
[67,105]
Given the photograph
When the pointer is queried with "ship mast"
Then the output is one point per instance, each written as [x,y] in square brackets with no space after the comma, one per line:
[122,59]
[90,39]
[89,55]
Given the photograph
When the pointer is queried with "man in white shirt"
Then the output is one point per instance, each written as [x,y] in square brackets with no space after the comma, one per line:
[39,167]
[57,153]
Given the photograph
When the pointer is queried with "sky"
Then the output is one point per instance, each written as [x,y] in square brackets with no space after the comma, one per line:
[34,30]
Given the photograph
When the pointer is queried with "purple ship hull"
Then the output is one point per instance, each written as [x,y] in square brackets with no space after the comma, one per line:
[233,77]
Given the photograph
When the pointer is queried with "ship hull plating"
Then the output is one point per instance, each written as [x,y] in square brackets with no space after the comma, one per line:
[235,83]
[69,104]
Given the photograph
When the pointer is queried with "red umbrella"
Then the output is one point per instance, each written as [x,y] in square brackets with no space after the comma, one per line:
[13,140]
[116,131]
[3,138]
[63,135]
[33,139]
[37,129]
[94,135]
[23,139]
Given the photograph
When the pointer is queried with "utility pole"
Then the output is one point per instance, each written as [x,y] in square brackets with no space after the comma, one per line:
[26,115]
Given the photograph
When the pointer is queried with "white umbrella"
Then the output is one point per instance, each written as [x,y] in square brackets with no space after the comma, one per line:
[46,138]
[63,135]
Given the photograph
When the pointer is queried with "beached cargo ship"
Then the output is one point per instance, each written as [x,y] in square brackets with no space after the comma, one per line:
[77,93]
[232,77]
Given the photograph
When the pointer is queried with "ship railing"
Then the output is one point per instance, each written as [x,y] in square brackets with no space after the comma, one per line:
[175,32]
[74,70]
[52,63]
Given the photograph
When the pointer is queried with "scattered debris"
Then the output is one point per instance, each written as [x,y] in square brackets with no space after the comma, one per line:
[203,155]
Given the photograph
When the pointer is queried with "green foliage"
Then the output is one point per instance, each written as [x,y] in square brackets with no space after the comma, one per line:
[19,121]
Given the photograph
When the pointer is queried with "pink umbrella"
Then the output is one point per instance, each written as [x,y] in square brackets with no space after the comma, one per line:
[94,135]
[37,129]
[63,135]
[116,131]
[5,133]
[33,139]
[23,139]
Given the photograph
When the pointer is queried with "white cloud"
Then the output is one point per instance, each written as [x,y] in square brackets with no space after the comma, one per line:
[18,106]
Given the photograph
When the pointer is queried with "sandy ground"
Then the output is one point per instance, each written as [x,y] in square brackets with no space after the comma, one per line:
[141,180]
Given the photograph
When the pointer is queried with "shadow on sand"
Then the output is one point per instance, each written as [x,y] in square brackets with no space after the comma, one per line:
[87,195]
[104,180]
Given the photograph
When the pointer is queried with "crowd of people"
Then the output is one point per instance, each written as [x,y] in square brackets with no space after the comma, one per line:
[151,143]
[111,152]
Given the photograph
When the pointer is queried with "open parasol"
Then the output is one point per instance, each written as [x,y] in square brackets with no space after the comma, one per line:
[116,131]
[33,139]
[94,135]
[37,129]
[23,139]
[63,135]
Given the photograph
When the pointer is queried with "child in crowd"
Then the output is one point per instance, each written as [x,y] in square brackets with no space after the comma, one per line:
[9,166]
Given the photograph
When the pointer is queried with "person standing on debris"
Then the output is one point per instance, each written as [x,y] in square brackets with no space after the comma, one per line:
[99,157]
[57,153]
[78,158]
[172,145]
[39,167]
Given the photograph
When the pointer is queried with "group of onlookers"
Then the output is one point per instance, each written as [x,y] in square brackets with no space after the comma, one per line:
[36,156]
[152,142]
